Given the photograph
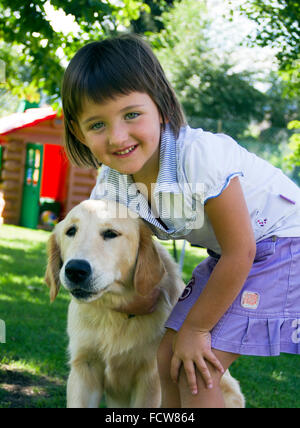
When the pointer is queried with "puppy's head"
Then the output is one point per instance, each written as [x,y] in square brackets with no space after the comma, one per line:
[98,248]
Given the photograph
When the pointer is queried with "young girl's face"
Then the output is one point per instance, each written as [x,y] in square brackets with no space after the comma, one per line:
[123,133]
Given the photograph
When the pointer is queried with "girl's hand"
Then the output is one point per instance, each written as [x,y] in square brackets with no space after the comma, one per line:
[192,348]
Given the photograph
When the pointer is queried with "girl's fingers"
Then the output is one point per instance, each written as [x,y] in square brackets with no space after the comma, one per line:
[191,376]
[190,371]
[205,373]
[215,362]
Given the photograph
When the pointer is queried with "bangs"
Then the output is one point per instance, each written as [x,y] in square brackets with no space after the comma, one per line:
[102,75]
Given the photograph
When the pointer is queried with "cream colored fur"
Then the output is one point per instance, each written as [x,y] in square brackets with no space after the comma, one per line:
[109,352]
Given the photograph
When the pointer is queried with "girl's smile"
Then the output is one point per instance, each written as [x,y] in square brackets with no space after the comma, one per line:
[123,133]
[126,152]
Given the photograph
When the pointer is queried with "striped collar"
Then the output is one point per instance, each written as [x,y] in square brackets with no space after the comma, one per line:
[167,179]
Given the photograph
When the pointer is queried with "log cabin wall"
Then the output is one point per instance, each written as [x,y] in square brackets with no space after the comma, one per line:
[2,203]
[12,180]
[81,183]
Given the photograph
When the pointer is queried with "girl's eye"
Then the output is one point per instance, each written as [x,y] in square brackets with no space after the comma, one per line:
[97,126]
[132,115]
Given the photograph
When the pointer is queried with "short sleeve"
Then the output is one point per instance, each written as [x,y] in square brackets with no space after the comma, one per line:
[210,162]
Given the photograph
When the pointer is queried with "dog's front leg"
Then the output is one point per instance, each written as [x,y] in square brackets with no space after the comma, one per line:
[85,386]
[147,393]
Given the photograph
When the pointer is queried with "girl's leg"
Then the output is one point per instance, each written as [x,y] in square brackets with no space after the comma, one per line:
[206,398]
[170,390]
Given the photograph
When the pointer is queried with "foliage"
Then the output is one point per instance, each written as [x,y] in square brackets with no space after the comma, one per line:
[8,102]
[45,50]
[206,86]
[280,108]
[16,70]
[10,91]
[279,27]
[294,144]
[151,22]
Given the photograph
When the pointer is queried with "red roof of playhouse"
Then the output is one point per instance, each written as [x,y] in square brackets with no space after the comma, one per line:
[30,117]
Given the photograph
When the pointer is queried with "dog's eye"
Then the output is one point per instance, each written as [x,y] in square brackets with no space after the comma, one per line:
[109,234]
[71,231]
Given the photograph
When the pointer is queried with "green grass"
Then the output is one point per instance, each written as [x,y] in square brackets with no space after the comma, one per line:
[33,361]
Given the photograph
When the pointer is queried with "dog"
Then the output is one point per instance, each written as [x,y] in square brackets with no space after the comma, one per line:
[104,255]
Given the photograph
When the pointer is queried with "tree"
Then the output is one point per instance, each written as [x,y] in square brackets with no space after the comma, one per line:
[8,102]
[11,93]
[294,144]
[279,27]
[205,84]
[151,22]
[41,49]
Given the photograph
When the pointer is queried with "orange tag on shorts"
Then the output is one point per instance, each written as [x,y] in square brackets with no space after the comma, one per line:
[250,300]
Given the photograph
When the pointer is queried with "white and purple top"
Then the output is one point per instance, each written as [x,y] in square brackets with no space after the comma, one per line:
[195,167]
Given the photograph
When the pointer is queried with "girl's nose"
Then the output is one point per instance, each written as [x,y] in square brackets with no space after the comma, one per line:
[118,136]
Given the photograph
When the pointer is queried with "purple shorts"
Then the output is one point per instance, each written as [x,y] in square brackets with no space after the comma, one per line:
[265,317]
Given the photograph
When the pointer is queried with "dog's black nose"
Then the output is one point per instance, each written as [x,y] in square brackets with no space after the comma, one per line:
[78,271]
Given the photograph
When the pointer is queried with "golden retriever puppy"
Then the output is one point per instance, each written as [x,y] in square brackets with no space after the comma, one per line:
[103,255]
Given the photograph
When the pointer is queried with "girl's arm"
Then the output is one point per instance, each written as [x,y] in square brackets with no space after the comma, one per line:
[229,216]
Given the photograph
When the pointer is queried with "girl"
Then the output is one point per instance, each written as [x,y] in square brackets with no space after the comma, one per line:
[244,299]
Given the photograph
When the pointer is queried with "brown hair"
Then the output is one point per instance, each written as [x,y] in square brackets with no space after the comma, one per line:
[103,70]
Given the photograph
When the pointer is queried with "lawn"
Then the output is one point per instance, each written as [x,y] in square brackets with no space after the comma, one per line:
[33,361]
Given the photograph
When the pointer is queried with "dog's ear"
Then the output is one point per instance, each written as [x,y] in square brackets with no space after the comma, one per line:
[53,267]
[149,268]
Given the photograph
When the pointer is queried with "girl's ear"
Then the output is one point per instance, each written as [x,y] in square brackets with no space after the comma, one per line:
[149,267]
[53,267]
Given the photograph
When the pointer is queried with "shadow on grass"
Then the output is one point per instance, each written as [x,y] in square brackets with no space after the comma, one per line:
[21,389]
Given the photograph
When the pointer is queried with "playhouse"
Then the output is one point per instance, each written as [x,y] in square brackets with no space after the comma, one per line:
[38,185]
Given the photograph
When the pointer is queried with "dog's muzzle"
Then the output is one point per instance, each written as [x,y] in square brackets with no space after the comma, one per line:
[79,278]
